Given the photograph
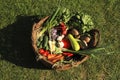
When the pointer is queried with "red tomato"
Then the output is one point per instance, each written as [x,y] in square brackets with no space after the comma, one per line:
[46,53]
[43,52]
[66,43]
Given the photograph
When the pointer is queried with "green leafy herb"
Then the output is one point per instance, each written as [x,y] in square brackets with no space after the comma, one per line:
[81,22]
[87,23]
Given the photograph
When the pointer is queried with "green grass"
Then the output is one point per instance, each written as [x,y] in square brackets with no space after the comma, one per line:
[17,60]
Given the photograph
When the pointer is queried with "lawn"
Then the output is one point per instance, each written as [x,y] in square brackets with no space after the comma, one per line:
[17,59]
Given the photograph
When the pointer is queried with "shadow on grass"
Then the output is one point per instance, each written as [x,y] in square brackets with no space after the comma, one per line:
[15,43]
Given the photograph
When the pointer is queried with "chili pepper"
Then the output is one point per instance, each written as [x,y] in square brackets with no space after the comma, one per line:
[68,54]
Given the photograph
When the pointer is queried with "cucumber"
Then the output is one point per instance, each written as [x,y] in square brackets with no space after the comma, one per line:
[47,48]
[45,41]
[75,45]
[39,42]
[40,46]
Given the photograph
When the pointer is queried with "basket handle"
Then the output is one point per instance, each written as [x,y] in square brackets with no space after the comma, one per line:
[35,28]
[95,38]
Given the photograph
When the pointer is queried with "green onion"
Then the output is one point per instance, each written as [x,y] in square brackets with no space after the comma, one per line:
[50,22]
[87,51]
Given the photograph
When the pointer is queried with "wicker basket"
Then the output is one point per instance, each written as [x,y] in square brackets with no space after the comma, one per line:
[43,59]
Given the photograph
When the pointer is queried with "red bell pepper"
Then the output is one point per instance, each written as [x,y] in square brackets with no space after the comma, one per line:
[63,28]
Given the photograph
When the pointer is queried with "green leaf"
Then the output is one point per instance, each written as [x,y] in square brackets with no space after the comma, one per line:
[87,23]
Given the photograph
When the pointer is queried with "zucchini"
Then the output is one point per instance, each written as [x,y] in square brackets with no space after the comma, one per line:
[75,45]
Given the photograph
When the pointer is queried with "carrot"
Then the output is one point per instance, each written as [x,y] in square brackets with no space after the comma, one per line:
[57,58]
[50,56]
[54,57]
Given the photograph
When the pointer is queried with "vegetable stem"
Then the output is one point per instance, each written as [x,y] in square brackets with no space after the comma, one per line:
[88,51]
[50,22]
[55,14]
